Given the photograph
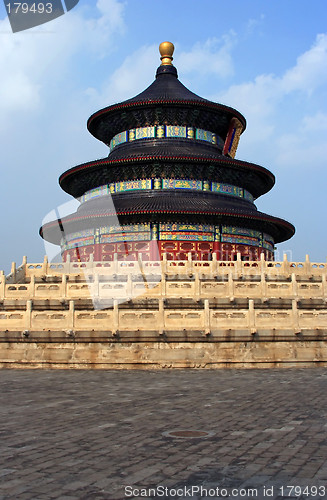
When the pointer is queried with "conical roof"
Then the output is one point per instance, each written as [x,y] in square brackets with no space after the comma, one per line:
[168,92]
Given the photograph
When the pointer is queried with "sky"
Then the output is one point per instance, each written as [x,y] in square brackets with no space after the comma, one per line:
[266,58]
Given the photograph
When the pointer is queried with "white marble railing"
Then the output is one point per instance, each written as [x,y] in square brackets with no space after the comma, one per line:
[168,267]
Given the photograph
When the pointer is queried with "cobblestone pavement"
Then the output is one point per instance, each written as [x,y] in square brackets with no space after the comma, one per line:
[86,435]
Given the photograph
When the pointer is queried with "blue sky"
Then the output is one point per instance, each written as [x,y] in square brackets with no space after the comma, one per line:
[266,58]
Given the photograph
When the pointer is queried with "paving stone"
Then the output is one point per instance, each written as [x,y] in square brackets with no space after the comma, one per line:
[83,435]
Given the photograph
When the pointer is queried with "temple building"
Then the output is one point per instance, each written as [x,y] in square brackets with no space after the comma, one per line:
[171,183]
[146,281]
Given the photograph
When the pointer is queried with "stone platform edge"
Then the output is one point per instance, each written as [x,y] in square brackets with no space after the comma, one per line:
[165,314]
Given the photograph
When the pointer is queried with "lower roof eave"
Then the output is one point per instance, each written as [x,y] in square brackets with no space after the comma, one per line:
[54,231]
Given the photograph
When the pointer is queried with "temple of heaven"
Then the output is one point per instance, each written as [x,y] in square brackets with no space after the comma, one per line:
[171,183]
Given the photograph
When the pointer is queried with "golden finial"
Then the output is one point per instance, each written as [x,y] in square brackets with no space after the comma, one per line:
[166,50]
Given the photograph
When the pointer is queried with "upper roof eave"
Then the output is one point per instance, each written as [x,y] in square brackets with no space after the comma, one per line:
[127,105]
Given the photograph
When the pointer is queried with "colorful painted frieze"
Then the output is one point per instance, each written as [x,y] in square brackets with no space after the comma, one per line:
[186,227]
[135,185]
[268,242]
[131,228]
[132,185]
[268,246]
[95,193]
[145,133]
[240,230]
[248,196]
[79,242]
[205,135]
[161,131]
[181,184]
[239,239]
[118,139]
[80,234]
[268,238]
[168,183]
[218,187]
[115,238]
[186,236]
[175,131]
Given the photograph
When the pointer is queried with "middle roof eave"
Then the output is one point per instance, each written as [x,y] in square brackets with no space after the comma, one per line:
[81,178]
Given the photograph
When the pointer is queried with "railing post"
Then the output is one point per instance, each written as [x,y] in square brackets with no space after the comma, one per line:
[28,318]
[295,318]
[324,287]
[71,315]
[2,284]
[164,263]
[90,263]
[207,329]
[115,318]
[140,260]
[239,264]
[161,319]
[252,326]
[163,285]
[294,286]
[213,265]
[286,265]
[115,263]
[197,286]
[24,263]
[95,286]
[32,285]
[13,270]
[189,263]
[307,264]
[67,264]
[64,286]
[45,265]
[230,285]
[129,288]
[263,286]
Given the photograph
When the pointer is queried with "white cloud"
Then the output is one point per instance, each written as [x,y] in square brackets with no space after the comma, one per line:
[265,100]
[112,15]
[261,95]
[307,147]
[310,71]
[316,123]
[135,73]
[31,61]
[254,23]
[213,57]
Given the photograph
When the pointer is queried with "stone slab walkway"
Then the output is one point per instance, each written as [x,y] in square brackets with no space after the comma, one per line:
[104,435]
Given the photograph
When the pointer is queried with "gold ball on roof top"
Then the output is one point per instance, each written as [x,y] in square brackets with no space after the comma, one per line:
[166,50]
